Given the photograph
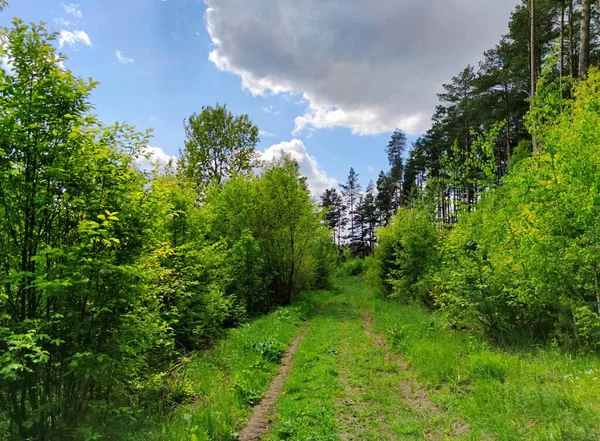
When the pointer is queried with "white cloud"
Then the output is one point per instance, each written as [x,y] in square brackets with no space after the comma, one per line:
[73,38]
[265,133]
[270,109]
[361,121]
[72,9]
[370,168]
[154,158]
[317,179]
[62,22]
[123,59]
[372,67]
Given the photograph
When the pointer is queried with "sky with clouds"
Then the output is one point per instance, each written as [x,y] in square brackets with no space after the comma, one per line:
[325,80]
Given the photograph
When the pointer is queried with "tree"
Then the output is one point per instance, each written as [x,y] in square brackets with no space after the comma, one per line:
[287,225]
[370,218]
[385,196]
[351,190]
[218,145]
[395,149]
[76,324]
[532,52]
[333,204]
[584,38]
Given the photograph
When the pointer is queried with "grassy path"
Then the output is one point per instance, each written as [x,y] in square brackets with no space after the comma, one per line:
[361,368]
[346,385]
[370,369]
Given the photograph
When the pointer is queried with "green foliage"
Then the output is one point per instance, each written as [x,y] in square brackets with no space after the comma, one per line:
[407,254]
[280,245]
[218,145]
[109,275]
[271,350]
[526,258]
[353,267]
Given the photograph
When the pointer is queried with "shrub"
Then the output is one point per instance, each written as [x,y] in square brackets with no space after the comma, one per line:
[353,267]
[407,255]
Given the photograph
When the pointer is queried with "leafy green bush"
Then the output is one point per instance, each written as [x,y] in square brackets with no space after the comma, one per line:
[407,254]
[271,350]
[353,267]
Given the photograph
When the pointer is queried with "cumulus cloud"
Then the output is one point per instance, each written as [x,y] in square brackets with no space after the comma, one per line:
[122,58]
[154,158]
[72,9]
[317,179]
[368,65]
[73,38]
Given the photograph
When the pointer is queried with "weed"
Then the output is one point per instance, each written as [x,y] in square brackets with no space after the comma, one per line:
[271,350]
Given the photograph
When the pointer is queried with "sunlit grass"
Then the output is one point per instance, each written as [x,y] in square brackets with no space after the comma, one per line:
[228,380]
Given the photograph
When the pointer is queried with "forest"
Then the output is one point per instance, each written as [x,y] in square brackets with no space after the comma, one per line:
[493,216]
[158,304]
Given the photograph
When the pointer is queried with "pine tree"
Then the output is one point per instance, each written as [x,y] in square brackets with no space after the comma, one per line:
[333,203]
[370,218]
[351,191]
[584,37]
[395,149]
[384,198]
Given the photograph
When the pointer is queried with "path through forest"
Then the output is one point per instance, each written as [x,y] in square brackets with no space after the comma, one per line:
[345,383]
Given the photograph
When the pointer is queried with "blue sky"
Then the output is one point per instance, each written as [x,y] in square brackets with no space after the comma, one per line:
[315,67]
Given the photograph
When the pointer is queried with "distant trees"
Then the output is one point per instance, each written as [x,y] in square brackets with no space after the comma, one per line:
[351,193]
[218,145]
[395,149]
[335,209]
[354,215]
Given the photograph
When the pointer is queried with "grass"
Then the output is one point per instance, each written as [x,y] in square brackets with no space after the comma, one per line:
[229,379]
[535,394]
[306,408]
[343,386]
[373,369]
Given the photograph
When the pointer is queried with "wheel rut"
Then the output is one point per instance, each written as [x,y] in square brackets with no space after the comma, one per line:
[415,395]
[259,424]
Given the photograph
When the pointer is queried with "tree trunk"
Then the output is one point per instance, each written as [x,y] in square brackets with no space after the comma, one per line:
[533,65]
[562,42]
[572,66]
[584,38]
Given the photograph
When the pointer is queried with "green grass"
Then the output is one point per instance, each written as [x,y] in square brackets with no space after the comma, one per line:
[342,386]
[306,408]
[535,394]
[229,379]
[350,378]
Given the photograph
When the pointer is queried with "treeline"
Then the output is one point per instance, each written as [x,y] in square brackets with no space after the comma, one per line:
[493,97]
[500,221]
[109,274]
[353,215]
